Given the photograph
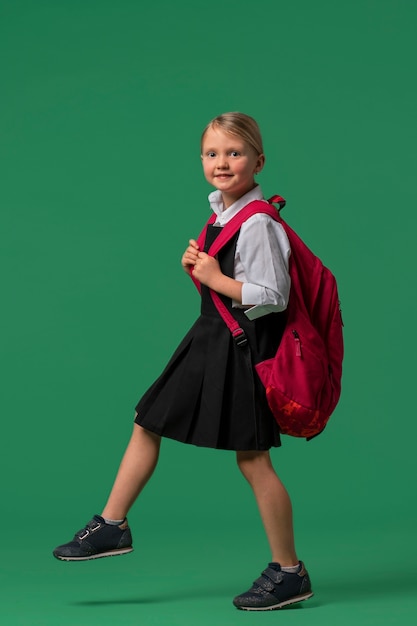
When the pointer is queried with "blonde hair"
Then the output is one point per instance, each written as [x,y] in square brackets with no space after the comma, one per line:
[240,125]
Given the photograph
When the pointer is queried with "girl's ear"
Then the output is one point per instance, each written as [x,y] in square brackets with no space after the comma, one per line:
[260,163]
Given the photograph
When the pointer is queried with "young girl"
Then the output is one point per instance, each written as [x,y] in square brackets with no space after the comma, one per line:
[207,395]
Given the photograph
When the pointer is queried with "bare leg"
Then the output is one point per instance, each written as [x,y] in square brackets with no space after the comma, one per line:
[137,466]
[273,502]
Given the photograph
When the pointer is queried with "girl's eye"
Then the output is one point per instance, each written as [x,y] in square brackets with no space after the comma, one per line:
[211,154]
[234,153]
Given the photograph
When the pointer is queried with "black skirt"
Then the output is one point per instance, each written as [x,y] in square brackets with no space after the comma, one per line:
[209,393]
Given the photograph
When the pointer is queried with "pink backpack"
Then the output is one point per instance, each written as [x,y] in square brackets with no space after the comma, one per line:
[303,379]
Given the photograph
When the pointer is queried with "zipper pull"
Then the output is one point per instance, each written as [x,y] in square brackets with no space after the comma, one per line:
[297,343]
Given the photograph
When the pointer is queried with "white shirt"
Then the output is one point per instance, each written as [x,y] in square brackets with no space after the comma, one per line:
[261,259]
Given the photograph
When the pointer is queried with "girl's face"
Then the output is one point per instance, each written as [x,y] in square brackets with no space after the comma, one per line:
[229,164]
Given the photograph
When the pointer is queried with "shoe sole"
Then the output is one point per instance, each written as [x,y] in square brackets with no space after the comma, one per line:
[100,555]
[280,605]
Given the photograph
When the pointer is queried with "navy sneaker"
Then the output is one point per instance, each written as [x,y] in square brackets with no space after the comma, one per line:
[275,589]
[96,540]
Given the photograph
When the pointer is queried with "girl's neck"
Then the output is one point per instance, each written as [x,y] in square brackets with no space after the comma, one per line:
[228,200]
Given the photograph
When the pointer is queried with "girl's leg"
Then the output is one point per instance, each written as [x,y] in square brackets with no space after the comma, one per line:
[137,466]
[273,502]
[113,536]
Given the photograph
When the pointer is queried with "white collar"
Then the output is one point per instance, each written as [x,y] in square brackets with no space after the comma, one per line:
[224,215]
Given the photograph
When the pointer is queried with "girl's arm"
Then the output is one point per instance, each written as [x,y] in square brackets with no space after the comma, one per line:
[262,263]
[264,253]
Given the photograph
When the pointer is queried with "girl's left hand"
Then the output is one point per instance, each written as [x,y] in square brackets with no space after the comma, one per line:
[206,269]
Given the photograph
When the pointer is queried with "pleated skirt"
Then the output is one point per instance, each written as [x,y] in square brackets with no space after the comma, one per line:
[209,393]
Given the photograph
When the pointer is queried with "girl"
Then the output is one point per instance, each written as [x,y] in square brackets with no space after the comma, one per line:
[207,395]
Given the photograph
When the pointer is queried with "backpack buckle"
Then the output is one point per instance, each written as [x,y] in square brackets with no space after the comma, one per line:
[240,337]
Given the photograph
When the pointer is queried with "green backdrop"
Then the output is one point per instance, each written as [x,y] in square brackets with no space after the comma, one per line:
[101,109]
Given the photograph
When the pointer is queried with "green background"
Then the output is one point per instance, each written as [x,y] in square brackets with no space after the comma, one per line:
[101,109]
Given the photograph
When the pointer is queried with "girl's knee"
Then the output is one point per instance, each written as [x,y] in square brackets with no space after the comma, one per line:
[252,462]
[142,434]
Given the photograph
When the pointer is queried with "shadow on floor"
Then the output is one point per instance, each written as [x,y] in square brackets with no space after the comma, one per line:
[179,596]
[363,585]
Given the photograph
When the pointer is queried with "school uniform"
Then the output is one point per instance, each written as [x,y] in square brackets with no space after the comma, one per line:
[209,393]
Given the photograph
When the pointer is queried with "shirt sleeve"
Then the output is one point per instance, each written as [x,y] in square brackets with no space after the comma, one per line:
[262,262]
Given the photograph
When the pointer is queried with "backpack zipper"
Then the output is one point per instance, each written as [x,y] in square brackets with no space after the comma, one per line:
[297,343]
[340,311]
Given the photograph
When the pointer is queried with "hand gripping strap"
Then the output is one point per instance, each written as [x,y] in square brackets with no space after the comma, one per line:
[228,231]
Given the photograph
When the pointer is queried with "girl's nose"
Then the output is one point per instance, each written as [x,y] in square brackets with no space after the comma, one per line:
[222,162]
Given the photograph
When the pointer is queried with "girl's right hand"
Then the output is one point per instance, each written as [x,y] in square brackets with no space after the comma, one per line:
[189,258]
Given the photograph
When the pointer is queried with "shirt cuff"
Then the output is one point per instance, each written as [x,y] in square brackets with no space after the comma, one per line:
[252,294]
[255,295]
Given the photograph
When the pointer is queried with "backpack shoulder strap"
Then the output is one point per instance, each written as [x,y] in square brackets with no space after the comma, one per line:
[202,236]
[232,227]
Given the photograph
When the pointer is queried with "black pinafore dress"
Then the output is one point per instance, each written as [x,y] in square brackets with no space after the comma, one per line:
[208,394]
